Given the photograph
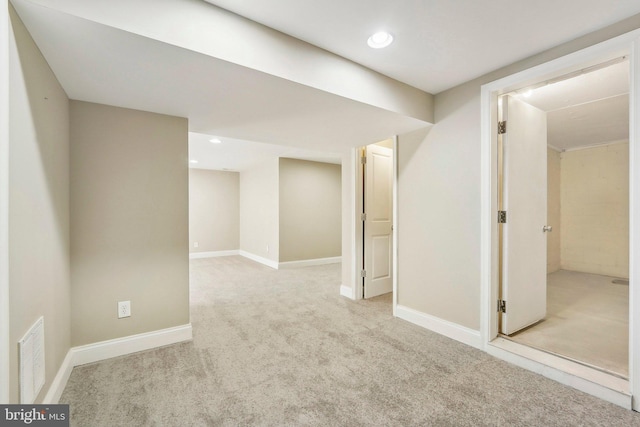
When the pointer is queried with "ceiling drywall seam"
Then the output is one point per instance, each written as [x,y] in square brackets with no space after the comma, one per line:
[4,202]
[204,28]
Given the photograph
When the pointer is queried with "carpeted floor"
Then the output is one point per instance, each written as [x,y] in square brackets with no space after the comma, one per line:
[282,348]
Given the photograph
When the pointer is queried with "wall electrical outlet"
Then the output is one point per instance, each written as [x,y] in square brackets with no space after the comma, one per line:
[124,309]
[195,244]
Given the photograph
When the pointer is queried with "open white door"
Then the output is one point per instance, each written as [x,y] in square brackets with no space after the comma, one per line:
[524,251]
[378,207]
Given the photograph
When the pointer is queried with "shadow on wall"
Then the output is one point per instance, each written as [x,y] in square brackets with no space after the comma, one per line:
[39,237]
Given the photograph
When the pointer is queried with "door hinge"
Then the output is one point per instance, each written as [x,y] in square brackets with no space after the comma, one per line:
[502,306]
[363,273]
[502,217]
[363,160]
[502,127]
[363,216]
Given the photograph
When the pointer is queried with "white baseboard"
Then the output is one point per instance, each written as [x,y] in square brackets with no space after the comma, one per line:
[90,353]
[443,327]
[60,381]
[268,262]
[310,262]
[213,254]
[131,344]
[347,292]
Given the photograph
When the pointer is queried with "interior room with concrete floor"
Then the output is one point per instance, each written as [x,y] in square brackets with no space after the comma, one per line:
[587,213]
[587,321]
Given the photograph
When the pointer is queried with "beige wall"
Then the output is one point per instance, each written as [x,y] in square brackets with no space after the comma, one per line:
[595,210]
[553,210]
[214,210]
[310,210]
[439,196]
[129,221]
[38,205]
[438,219]
[259,208]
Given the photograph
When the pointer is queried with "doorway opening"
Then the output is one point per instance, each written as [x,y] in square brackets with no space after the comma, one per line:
[564,238]
[582,376]
[376,178]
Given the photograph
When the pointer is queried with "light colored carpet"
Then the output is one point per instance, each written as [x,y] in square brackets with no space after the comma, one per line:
[282,348]
[587,320]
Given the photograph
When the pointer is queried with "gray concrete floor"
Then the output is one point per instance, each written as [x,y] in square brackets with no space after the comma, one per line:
[587,320]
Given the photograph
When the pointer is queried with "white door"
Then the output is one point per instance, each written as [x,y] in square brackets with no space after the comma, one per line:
[524,186]
[378,207]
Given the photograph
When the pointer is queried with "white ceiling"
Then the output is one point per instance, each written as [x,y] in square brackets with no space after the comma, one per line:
[590,124]
[585,110]
[435,40]
[103,64]
[238,155]
[581,88]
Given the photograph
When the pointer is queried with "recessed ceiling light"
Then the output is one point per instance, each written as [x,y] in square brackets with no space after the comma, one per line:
[215,140]
[380,39]
[193,161]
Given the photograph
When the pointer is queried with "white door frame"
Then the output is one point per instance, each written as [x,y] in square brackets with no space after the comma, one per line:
[394,236]
[358,232]
[4,202]
[624,45]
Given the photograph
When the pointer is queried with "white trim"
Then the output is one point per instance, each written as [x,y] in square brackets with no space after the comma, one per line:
[488,208]
[356,209]
[634,224]
[586,379]
[132,344]
[5,346]
[554,148]
[60,381]
[288,264]
[627,44]
[96,352]
[213,254]
[310,262]
[394,237]
[440,326]
[358,228]
[602,144]
[347,292]
[253,257]
[348,220]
